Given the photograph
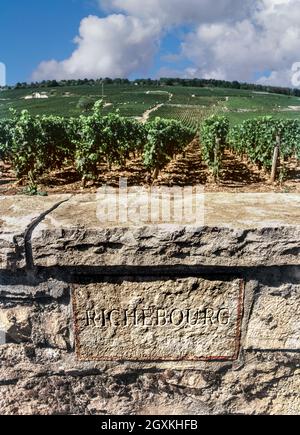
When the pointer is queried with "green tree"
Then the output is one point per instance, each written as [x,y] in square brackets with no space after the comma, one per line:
[85,104]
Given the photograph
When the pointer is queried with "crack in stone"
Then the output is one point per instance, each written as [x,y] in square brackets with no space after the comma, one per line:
[29,230]
[7,382]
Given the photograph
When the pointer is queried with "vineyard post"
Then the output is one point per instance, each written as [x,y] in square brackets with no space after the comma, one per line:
[216,159]
[155,173]
[275,159]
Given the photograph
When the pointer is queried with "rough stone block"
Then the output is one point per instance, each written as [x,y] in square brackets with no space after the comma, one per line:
[275,319]
[183,319]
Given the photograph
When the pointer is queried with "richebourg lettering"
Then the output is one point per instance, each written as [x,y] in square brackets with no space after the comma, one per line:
[155,317]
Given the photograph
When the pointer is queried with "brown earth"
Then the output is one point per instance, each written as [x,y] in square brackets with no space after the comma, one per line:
[237,175]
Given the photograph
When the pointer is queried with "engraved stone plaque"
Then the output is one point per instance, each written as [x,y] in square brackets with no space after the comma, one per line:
[158,319]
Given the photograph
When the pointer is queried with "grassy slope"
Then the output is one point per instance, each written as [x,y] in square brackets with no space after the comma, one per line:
[131,100]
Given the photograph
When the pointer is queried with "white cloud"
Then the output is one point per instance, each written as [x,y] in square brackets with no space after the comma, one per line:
[2,74]
[173,12]
[228,39]
[268,40]
[278,78]
[115,46]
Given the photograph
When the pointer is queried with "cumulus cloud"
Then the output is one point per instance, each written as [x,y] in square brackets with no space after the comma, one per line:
[226,39]
[174,12]
[278,78]
[268,40]
[115,46]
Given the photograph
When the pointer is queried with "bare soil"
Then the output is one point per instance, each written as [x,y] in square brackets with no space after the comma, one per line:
[237,175]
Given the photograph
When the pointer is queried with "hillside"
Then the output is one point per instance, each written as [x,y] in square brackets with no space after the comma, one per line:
[189,104]
[95,149]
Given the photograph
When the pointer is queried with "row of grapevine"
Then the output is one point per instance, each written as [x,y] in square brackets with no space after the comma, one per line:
[6,128]
[108,139]
[34,145]
[165,138]
[254,138]
[190,116]
[214,132]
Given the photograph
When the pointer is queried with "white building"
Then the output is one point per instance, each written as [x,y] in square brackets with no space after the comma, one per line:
[36,95]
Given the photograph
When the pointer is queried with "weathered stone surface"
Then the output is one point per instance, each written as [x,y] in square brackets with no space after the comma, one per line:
[237,230]
[230,210]
[40,324]
[41,374]
[153,246]
[233,231]
[252,238]
[183,319]
[16,215]
[275,320]
[49,381]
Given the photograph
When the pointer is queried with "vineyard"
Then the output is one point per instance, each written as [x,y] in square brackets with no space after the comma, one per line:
[191,116]
[132,100]
[257,140]
[103,138]
[33,145]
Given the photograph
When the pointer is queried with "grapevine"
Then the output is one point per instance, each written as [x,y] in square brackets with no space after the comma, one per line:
[165,139]
[256,138]
[214,138]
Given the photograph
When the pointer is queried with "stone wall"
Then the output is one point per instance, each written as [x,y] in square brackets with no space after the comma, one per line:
[153,319]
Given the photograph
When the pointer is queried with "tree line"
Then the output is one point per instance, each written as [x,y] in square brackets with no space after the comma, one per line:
[164,81]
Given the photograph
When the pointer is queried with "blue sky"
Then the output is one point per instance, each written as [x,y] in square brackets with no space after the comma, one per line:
[223,39]
[33,30]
